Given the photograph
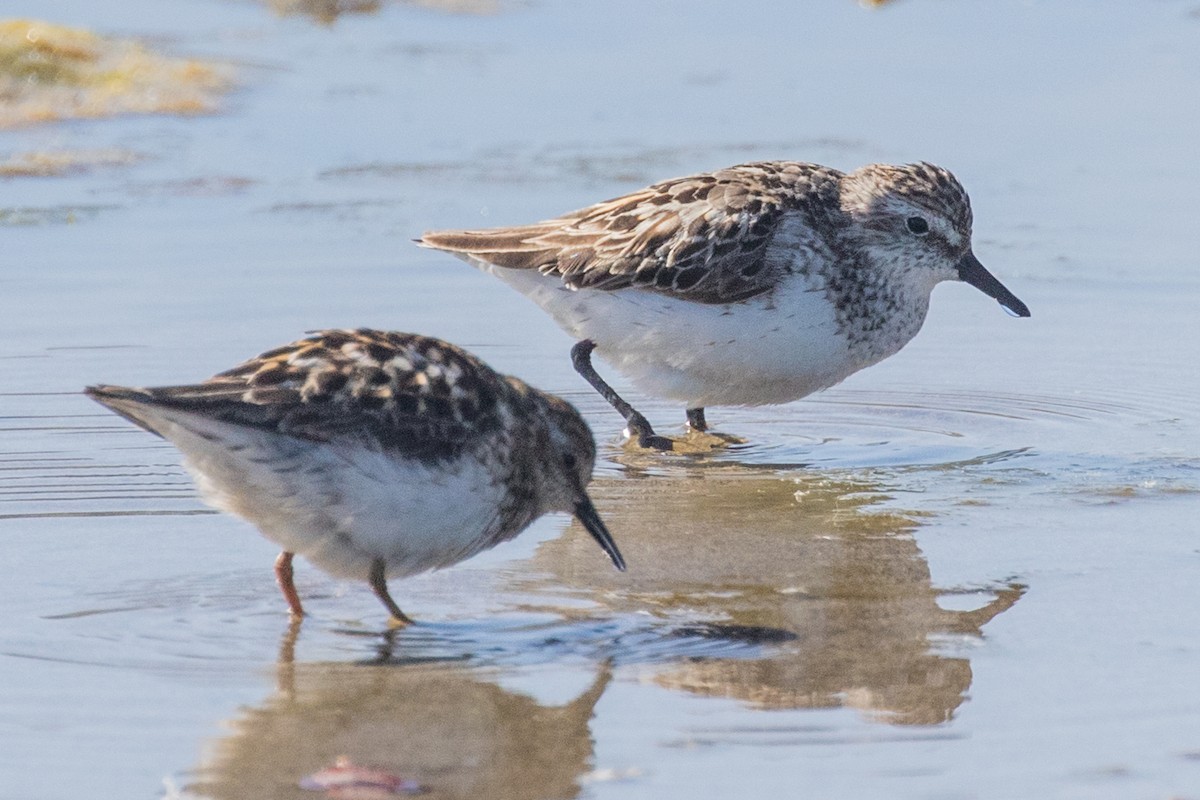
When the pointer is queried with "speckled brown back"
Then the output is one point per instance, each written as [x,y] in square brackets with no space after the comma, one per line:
[415,394]
[703,237]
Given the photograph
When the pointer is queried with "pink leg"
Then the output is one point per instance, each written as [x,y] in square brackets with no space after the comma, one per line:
[283,576]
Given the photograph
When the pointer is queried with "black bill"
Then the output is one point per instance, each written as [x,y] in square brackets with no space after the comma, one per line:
[586,512]
[974,273]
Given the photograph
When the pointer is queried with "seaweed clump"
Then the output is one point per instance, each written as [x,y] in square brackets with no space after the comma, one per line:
[51,72]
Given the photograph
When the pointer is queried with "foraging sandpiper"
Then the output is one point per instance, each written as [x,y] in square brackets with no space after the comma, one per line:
[373,454]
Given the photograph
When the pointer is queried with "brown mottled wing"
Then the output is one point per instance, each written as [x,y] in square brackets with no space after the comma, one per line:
[703,237]
[414,394]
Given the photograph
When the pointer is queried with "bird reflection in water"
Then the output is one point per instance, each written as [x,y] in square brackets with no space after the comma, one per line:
[447,725]
[327,12]
[810,556]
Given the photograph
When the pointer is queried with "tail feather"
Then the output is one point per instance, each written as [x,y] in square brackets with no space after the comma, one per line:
[131,403]
[148,408]
[512,248]
[497,240]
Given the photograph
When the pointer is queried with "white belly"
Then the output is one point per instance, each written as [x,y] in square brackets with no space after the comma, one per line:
[760,351]
[343,506]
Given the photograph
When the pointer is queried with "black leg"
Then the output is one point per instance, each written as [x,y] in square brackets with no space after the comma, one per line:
[379,585]
[639,426]
[695,417]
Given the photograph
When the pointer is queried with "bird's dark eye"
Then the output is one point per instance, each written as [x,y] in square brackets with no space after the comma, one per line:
[569,461]
[917,225]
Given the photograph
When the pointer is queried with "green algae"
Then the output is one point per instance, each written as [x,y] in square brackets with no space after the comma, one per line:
[50,72]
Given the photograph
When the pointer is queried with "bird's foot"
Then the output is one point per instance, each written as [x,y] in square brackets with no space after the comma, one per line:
[397,623]
[638,427]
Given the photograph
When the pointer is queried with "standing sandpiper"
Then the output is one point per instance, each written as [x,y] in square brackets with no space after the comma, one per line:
[375,455]
[761,283]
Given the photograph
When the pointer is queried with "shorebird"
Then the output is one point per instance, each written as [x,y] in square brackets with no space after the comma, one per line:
[757,284]
[374,454]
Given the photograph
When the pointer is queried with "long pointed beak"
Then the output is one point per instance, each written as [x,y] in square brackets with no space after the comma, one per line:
[586,512]
[974,273]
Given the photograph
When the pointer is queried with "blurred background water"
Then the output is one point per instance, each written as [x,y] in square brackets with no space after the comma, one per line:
[968,572]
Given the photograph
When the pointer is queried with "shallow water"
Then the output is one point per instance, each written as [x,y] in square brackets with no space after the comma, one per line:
[968,572]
